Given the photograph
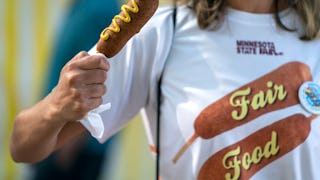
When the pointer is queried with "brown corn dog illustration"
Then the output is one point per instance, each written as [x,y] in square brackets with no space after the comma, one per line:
[133,17]
[243,159]
[273,91]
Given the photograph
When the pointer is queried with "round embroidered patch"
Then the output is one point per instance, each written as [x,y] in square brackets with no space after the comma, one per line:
[309,96]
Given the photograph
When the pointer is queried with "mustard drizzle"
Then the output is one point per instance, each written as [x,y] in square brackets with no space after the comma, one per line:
[126,18]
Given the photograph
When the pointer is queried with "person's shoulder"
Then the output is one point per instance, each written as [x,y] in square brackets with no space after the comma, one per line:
[164,10]
[161,23]
[167,11]
[162,16]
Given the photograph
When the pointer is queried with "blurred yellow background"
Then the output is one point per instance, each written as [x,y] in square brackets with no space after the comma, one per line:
[28,30]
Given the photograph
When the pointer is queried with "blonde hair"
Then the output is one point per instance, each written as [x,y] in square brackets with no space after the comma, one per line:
[211,11]
[309,11]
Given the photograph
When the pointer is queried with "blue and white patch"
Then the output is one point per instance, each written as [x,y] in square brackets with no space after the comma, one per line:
[309,96]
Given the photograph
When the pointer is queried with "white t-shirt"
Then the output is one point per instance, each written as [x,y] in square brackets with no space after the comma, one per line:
[234,90]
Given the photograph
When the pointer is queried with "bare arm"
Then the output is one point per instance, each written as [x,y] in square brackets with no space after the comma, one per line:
[52,122]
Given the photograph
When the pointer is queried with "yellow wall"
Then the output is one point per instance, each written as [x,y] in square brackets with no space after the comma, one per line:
[25,38]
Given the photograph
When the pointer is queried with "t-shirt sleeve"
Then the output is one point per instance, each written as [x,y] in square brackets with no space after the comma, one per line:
[134,70]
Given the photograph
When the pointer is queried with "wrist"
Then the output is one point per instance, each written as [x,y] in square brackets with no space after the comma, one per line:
[51,112]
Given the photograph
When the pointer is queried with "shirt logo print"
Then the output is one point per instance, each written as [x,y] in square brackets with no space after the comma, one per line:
[257,48]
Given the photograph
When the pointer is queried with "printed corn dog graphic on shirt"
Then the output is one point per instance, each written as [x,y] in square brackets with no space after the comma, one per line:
[245,158]
[270,92]
[273,91]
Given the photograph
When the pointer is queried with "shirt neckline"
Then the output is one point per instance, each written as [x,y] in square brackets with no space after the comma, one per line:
[255,18]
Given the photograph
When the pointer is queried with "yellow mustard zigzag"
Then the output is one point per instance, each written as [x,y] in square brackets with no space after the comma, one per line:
[126,18]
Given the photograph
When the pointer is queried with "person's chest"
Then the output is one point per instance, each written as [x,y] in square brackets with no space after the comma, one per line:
[231,98]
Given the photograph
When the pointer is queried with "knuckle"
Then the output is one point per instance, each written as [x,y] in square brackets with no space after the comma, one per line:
[100,101]
[78,56]
[70,66]
[104,76]
[101,62]
[82,54]
[101,90]
[65,68]
[107,64]
[94,60]
[97,91]
[72,78]
[104,89]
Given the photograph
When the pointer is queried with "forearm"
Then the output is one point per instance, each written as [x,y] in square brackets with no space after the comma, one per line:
[36,133]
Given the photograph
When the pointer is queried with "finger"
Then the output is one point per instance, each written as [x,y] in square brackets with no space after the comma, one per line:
[95,76]
[81,54]
[93,103]
[79,78]
[73,63]
[94,90]
[103,107]
[93,62]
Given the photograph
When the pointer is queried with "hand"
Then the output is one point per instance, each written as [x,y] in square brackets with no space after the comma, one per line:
[80,88]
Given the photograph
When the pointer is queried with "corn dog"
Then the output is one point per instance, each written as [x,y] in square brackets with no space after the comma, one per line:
[270,92]
[133,17]
[243,159]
